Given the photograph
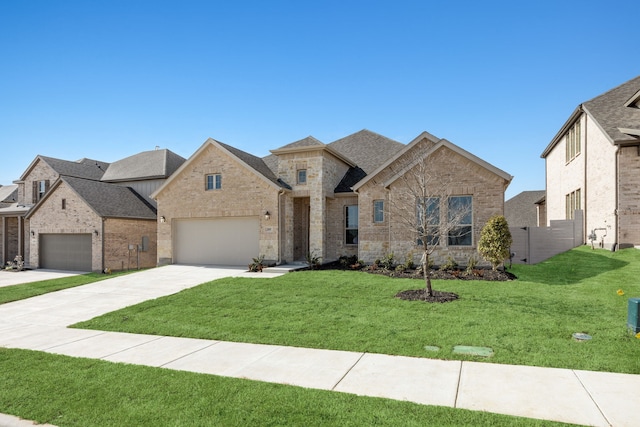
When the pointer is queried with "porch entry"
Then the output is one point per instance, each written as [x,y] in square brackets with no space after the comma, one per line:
[301,209]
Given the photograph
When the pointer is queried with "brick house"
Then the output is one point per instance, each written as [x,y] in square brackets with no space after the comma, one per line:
[225,206]
[89,215]
[593,164]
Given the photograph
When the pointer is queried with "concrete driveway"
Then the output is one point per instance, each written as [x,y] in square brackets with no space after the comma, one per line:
[12,277]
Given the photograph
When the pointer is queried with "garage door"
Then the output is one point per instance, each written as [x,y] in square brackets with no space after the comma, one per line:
[65,252]
[224,241]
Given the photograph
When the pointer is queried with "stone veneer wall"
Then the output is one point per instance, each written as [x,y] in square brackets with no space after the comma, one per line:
[324,173]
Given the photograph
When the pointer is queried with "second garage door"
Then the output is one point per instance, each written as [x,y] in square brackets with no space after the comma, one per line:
[65,252]
[224,241]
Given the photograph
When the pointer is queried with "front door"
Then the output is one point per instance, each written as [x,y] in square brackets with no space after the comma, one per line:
[301,208]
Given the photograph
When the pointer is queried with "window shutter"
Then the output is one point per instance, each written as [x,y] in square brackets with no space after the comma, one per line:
[46,185]
[34,192]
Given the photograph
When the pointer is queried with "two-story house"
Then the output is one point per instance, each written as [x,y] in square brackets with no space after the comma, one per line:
[593,164]
[225,206]
[89,215]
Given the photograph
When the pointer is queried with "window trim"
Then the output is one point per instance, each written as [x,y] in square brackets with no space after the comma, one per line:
[299,173]
[573,202]
[573,142]
[216,181]
[450,234]
[347,228]
[378,209]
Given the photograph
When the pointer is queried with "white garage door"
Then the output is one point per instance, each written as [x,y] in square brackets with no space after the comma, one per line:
[65,252]
[223,241]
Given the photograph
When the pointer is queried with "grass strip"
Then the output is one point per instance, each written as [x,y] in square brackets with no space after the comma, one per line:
[70,392]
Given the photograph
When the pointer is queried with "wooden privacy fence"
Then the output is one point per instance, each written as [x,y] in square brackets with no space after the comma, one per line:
[532,245]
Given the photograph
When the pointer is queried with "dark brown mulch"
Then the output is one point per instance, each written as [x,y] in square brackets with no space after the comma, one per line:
[421,295]
[476,274]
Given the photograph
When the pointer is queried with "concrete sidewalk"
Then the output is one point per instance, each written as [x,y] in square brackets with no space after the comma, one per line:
[572,396]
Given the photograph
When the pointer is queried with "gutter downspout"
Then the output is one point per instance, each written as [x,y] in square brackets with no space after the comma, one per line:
[586,165]
[617,195]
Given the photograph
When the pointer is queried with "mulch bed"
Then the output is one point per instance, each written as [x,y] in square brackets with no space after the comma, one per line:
[486,274]
[421,295]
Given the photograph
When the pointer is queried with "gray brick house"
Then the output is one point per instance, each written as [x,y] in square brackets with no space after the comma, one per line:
[225,206]
[593,164]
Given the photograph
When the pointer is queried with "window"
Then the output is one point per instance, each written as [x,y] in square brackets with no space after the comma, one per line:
[378,211]
[351,225]
[460,215]
[214,181]
[144,247]
[572,203]
[302,176]
[39,190]
[573,142]
[428,212]
[64,204]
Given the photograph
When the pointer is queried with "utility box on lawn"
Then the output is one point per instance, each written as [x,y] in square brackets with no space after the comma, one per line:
[633,315]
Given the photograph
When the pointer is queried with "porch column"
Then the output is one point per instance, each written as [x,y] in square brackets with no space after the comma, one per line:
[3,254]
[20,237]
[317,226]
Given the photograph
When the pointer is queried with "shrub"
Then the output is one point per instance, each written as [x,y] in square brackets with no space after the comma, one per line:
[257,264]
[408,262]
[495,241]
[387,262]
[313,261]
[451,264]
[471,264]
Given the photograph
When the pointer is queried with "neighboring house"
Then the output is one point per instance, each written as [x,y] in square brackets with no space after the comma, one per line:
[593,164]
[526,209]
[9,214]
[90,215]
[225,206]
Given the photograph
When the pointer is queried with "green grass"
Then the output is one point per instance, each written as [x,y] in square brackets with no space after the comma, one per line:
[68,392]
[28,290]
[528,321]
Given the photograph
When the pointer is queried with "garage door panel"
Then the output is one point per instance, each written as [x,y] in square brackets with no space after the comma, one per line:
[223,241]
[65,252]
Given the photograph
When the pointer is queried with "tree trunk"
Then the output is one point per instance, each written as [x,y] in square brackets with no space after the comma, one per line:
[426,273]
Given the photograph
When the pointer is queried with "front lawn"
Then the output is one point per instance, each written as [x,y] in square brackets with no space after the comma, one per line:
[72,392]
[529,321]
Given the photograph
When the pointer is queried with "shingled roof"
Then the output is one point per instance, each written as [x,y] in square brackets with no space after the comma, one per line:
[520,210]
[107,200]
[146,165]
[367,149]
[616,111]
[255,163]
[613,111]
[83,168]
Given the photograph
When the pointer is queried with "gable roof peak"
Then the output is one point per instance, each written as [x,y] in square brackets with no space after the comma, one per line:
[160,163]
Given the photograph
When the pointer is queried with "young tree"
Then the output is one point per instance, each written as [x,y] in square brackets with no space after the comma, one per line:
[495,241]
[423,200]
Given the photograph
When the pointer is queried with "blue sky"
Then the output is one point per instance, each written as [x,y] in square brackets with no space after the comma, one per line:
[108,79]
